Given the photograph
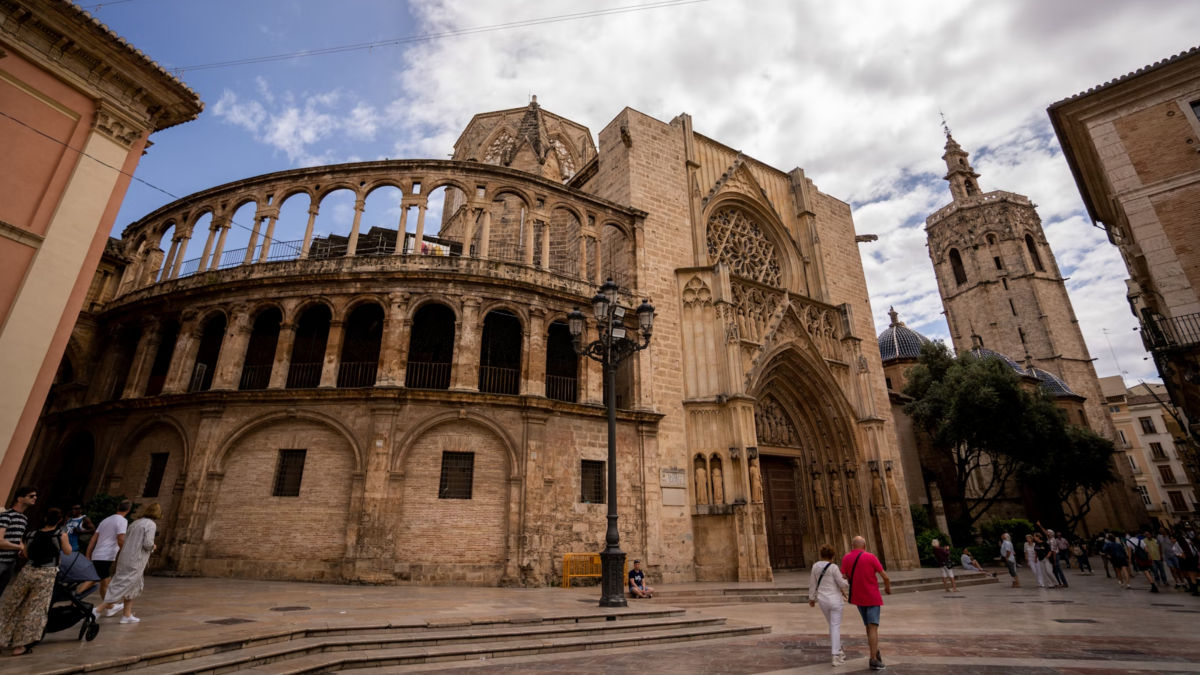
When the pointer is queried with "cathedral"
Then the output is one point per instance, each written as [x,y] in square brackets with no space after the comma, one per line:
[1003,297]
[412,391]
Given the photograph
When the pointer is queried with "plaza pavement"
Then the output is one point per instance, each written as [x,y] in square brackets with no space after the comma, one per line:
[1093,627]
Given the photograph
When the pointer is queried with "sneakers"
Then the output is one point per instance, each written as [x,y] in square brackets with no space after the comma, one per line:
[1153,588]
[115,609]
[838,660]
[130,619]
[876,664]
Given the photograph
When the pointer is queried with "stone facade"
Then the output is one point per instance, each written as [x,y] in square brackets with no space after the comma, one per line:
[1133,145]
[445,430]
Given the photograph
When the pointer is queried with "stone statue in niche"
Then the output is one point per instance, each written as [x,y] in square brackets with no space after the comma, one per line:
[718,485]
[701,485]
[852,489]
[756,488]
[893,494]
[835,489]
[772,425]
[876,490]
[818,490]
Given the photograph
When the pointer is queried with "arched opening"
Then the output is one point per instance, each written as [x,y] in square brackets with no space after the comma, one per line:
[617,256]
[381,215]
[288,238]
[991,239]
[241,225]
[308,350]
[562,364]
[956,264]
[169,334]
[70,471]
[331,230]
[510,229]
[500,353]
[200,231]
[565,230]
[360,346]
[430,348]
[448,220]
[971,188]
[205,367]
[1033,254]
[125,345]
[260,351]
[164,271]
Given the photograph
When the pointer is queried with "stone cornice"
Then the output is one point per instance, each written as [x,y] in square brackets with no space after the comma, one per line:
[63,39]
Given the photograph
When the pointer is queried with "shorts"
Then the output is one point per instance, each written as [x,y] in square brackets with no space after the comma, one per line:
[1173,563]
[104,568]
[870,615]
[947,573]
[1012,568]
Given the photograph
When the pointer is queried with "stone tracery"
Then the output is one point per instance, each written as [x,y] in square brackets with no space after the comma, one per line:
[736,239]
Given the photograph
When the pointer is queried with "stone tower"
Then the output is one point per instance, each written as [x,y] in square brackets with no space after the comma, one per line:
[1002,290]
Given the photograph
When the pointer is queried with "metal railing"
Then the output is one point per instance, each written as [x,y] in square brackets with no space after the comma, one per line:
[427,375]
[562,388]
[255,377]
[1163,332]
[199,382]
[498,380]
[357,373]
[304,375]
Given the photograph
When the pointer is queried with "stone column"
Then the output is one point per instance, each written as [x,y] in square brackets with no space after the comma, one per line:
[185,549]
[283,355]
[583,258]
[333,355]
[370,556]
[101,385]
[143,359]
[208,245]
[308,230]
[352,245]
[395,334]
[536,560]
[591,377]
[485,233]
[545,262]
[527,236]
[216,259]
[233,350]
[420,234]
[184,355]
[184,238]
[534,356]
[258,221]
[400,233]
[270,236]
[469,235]
[170,261]
[467,333]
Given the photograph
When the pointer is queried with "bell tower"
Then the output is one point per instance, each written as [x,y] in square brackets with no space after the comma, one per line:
[1002,290]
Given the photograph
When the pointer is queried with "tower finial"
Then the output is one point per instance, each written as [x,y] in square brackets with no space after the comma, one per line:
[894,315]
[945,127]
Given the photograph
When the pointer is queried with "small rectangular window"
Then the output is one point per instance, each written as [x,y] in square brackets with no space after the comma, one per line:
[154,477]
[1196,109]
[1114,408]
[1141,489]
[1005,282]
[1167,475]
[458,472]
[996,259]
[591,482]
[1124,441]
[1147,425]
[1156,449]
[289,470]
[1133,463]
[1178,503]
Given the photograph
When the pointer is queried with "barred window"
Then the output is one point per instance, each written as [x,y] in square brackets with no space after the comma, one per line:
[1147,425]
[289,470]
[591,482]
[154,477]
[458,470]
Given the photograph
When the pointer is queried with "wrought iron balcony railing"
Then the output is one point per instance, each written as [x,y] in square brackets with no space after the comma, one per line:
[1160,332]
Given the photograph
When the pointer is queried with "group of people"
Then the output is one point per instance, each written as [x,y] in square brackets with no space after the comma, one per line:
[30,559]
[1155,556]
[828,588]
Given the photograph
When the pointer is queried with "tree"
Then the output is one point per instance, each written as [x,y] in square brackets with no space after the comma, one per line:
[981,420]
[1073,471]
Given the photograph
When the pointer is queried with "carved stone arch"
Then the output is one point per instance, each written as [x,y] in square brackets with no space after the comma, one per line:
[401,448]
[417,304]
[335,186]
[161,420]
[262,306]
[430,185]
[508,189]
[206,314]
[76,356]
[381,182]
[522,313]
[749,238]
[299,310]
[351,303]
[625,228]
[203,210]
[696,291]
[500,146]
[243,199]
[566,153]
[292,190]
[221,455]
[569,208]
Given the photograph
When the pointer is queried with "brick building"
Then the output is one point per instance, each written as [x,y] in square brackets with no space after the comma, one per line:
[1133,145]
[411,393]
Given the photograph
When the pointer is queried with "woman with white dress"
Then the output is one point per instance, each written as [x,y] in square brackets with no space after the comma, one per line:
[131,564]
[1031,561]
[825,588]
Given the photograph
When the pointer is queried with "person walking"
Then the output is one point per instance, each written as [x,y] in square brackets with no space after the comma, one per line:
[863,592]
[1081,556]
[78,523]
[25,604]
[1053,558]
[1156,558]
[1115,551]
[127,582]
[107,543]
[1170,553]
[1009,556]
[13,524]
[1031,561]
[1044,554]
[1139,553]
[826,587]
[942,555]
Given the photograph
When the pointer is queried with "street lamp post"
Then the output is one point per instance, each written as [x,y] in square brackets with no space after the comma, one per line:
[612,346]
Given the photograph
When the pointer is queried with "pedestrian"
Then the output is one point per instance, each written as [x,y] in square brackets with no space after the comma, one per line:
[1031,561]
[1009,556]
[1157,568]
[1081,556]
[863,592]
[970,564]
[127,582]
[13,524]
[942,555]
[25,604]
[827,587]
[1119,559]
[78,523]
[1053,558]
[1098,547]
[107,543]
[1170,554]
[1064,551]
[1189,560]
[1044,554]
[1140,555]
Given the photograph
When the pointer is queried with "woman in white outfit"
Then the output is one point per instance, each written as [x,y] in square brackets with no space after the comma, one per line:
[1032,562]
[825,588]
[126,585]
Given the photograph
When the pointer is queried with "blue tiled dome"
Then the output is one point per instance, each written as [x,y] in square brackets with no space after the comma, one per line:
[982,353]
[899,341]
[1052,383]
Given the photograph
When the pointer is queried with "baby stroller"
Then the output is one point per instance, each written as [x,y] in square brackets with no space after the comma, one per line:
[67,606]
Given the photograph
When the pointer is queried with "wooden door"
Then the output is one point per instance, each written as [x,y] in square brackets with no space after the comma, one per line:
[782,502]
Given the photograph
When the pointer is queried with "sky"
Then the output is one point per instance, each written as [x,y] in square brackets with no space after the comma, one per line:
[850,91]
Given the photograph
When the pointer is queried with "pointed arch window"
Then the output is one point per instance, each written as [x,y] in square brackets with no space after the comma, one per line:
[956,264]
[736,239]
[1033,254]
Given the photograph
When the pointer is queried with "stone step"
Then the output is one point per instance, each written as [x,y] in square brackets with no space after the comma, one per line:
[469,637]
[388,660]
[717,598]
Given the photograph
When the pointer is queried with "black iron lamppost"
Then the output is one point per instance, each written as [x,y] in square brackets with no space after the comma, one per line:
[613,346]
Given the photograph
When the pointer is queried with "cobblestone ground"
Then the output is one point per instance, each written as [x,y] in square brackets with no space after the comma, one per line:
[1092,627]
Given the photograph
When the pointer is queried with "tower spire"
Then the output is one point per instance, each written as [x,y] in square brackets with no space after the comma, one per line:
[959,173]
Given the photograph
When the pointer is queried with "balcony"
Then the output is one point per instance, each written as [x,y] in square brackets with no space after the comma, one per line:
[1174,332]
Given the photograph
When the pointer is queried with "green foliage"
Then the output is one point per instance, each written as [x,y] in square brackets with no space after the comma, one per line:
[920,518]
[925,550]
[986,553]
[1017,527]
[1079,464]
[102,506]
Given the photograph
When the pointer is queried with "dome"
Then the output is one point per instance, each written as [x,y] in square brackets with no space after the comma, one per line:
[1052,383]
[899,341]
[982,353]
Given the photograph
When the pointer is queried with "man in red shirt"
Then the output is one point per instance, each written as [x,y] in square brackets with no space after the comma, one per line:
[860,568]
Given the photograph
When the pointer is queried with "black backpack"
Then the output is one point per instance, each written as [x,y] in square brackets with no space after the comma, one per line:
[43,549]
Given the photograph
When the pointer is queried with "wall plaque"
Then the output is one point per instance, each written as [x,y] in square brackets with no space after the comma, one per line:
[673,478]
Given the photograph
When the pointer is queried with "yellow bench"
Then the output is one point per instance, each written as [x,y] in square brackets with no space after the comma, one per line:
[577,565]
